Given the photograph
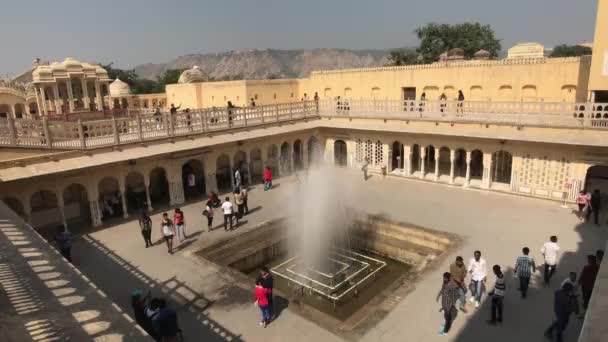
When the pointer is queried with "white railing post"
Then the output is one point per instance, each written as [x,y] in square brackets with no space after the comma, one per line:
[12,132]
[115,130]
[83,143]
[47,132]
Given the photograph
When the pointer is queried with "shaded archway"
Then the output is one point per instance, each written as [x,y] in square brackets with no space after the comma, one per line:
[460,163]
[415,162]
[272,159]
[501,167]
[45,213]
[76,207]
[110,201]
[193,179]
[240,162]
[476,164]
[15,205]
[314,151]
[429,159]
[285,160]
[444,161]
[397,156]
[135,191]
[256,165]
[159,188]
[340,153]
[223,173]
[597,178]
[297,155]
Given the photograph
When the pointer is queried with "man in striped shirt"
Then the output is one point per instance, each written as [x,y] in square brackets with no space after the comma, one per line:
[449,295]
[524,267]
[498,295]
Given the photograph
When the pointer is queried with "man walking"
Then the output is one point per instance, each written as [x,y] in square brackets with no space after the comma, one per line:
[227,209]
[596,206]
[458,273]
[587,279]
[524,267]
[449,295]
[563,306]
[550,251]
[479,271]
[498,294]
[265,278]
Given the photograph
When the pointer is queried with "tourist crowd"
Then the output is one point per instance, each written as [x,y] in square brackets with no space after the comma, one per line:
[454,288]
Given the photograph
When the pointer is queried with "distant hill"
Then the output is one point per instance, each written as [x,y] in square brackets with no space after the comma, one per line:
[268,63]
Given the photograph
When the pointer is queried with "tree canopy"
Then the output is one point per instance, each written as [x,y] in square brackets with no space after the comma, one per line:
[436,39]
[141,85]
[564,50]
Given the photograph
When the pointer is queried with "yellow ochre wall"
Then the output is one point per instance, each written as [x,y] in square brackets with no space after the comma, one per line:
[599,67]
[538,79]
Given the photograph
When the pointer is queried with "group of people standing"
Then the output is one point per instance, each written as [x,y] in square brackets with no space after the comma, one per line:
[168,228]
[454,287]
[589,203]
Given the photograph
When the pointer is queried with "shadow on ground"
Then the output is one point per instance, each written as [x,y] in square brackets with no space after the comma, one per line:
[539,302]
[117,278]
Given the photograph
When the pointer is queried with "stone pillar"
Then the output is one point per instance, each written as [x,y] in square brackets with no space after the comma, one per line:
[452,160]
[147,188]
[407,159]
[437,154]
[422,162]
[123,197]
[210,177]
[176,186]
[98,98]
[95,213]
[85,93]
[38,103]
[305,160]
[292,168]
[57,99]
[467,180]
[486,180]
[70,95]
[43,101]
[248,165]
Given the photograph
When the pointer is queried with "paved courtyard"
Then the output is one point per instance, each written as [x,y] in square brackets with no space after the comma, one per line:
[213,307]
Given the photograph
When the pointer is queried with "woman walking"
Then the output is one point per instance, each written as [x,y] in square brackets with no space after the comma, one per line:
[208,212]
[238,199]
[145,223]
[261,300]
[180,224]
[168,231]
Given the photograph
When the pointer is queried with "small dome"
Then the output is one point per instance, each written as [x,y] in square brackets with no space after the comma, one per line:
[57,66]
[455,52]
[119,88]
[193,75]
[71,62]
[482,54]
[42,70]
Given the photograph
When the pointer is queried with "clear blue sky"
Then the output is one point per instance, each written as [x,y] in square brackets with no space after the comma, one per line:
[131,32]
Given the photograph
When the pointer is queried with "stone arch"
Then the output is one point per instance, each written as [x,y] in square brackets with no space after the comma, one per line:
[193,179]
[375,93]
[298,153]
[116,103]
[77,210]
[397,160]
[124,103]
[597,178]
[285,159]
[501,167]
[415,162]
[45,212]
[476,93]
[5,111]
[450,92]
[256,165]
[15,205]
[110,201]
[327,92]
[460,163]
[348,92]
[223,173]
[569,93]
[529,93]
[476,164]
[159,187]
[445,163]
[505,92]
[431,92]
[340,153]
[20,111]
[429,159]
[314,151]
[33,108]
[135,191]
[272,159]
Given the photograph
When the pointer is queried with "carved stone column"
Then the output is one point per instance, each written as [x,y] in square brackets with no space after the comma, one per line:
[467,180]
[486,180]
[452,160]
[437,155]
[422,162]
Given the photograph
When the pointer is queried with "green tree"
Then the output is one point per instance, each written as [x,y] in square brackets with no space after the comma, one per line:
[436,39]
[404,57]
[169,76]
[564,50]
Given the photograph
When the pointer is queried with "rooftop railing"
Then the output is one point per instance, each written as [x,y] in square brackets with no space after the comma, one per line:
[149,126]
[142,127]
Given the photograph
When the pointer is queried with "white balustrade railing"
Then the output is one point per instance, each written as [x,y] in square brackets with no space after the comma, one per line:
[147,126]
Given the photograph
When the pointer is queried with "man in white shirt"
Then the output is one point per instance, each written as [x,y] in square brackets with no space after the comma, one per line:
[550,251]
[478,270]
[227,209]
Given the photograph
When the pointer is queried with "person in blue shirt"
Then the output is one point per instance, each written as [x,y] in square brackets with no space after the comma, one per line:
[64,242]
